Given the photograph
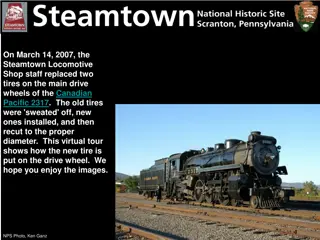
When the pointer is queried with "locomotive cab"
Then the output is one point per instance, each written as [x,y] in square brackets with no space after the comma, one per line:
[174,165]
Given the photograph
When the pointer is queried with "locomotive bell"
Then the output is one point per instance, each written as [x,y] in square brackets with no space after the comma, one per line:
[219,146]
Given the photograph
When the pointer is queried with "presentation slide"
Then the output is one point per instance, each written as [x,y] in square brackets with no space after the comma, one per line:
[116,120]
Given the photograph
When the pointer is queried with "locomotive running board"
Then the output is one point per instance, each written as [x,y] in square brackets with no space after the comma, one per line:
[218,168]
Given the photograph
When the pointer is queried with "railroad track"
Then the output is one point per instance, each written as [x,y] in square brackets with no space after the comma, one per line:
[299,214]
[313,202]
[306,199]
[308,205]
[283,226]
[124,231]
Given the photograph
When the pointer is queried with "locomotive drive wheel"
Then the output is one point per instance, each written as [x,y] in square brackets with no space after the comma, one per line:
[209,198]
[198,195]
[180,196]
[173,191]
[254,201]
[198,190]
[224,201]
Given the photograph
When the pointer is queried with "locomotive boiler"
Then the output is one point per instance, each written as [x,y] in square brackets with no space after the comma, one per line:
[228,173]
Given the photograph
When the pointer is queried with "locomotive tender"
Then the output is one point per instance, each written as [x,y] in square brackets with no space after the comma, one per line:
[229,174]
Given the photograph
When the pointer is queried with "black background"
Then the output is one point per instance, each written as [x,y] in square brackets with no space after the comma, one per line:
[135,65]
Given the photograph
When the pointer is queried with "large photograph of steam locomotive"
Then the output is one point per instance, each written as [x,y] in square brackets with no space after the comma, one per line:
[228,173]
[217,171]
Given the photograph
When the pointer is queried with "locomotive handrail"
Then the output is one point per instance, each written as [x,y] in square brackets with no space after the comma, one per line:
[223,167]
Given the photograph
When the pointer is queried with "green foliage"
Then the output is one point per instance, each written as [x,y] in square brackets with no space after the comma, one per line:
[131,182]
[300,192]
[310,188]
[300,14]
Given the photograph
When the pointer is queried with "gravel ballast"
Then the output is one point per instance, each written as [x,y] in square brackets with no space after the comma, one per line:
[121,235]
[190,228]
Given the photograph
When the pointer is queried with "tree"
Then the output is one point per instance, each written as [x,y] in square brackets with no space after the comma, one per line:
[131,182]
[310,188]
[300,14]
[299,191]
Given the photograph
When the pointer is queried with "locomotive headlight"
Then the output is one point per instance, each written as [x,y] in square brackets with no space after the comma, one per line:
[268,158]
[278,181]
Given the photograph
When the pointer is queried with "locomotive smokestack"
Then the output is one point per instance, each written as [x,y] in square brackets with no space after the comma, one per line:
[256,133]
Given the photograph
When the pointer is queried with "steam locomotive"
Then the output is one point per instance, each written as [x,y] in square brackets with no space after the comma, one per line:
[231,173]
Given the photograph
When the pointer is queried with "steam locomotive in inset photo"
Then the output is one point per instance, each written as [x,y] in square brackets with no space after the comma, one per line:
[230,174]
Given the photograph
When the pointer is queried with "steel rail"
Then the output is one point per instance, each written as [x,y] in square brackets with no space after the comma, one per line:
[310,215]
[259,222]
[141,233]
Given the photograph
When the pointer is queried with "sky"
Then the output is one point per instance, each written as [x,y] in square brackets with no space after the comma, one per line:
[147,132]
